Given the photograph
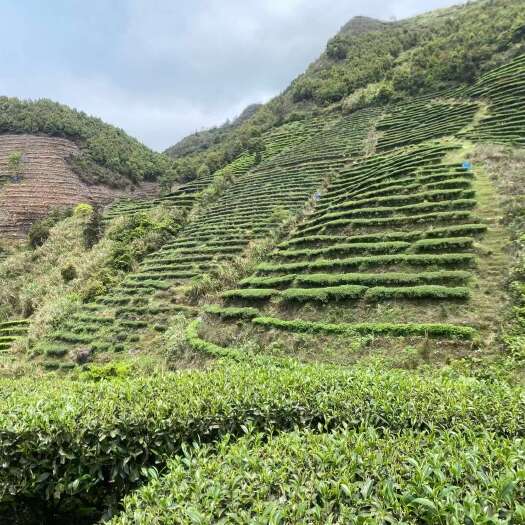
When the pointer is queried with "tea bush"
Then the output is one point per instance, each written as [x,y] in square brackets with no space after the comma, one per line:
[348,476]
[93,441]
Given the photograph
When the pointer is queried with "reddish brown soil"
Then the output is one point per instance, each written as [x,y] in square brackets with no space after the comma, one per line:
[46,182]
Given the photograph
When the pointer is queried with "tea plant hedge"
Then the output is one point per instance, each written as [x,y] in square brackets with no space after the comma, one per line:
[348,476]
[92,442]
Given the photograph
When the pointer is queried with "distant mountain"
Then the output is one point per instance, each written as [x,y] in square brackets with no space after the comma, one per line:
[106,154]
[53,156]
[203,140]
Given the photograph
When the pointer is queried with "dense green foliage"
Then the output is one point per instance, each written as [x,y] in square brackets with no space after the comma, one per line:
[107,155]
[427,53]
[343,477]
[233,312]
[141,234]
[65,441]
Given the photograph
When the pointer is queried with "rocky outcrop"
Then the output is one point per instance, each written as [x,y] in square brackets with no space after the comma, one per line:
[45,181]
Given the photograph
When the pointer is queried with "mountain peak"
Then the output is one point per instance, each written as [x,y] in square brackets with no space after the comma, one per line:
[359,25]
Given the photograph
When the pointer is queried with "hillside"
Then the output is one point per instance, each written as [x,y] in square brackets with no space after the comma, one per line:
[372,63]
[66,157]
[46,172]
[320,319]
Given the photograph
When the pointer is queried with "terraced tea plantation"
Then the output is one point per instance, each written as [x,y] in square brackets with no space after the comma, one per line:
[327,330]
[183,197]
[11,331]
[395,227]
[394,246]
[186,195]
[424,120]
[253,205]
[504,88]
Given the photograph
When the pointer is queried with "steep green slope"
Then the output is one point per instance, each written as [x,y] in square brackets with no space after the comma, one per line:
[401,243]
[390,217]
[253,205]
[426,53]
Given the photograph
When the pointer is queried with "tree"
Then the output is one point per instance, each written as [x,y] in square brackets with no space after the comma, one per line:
[186,170]
[257,147]
[303,89]
[203,171]
[93,229]
[15,164]
[337,49]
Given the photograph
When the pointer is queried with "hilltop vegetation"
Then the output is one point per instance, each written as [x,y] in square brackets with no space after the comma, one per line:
[323,324]
[424,54]
[108,154]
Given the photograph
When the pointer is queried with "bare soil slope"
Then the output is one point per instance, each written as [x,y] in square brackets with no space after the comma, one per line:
[45,181]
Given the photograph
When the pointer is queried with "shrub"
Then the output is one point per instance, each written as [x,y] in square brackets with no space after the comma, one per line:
[267,282]
[359,247]
[438,330]
[323,294]
[39,231]
[280,215]
[384,278]
[94,229]
[441,259]
[337,49]
[139,234]
[380,293]
[412,477]
[303,89]
[82,210]
[232,312]
[14,163]
[68,273]
[250,293]
[443,244]
[109,371]
[203,171]
[373,94]
[93,441]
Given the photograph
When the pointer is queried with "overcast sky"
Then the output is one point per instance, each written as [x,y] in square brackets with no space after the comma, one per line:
[162,69]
